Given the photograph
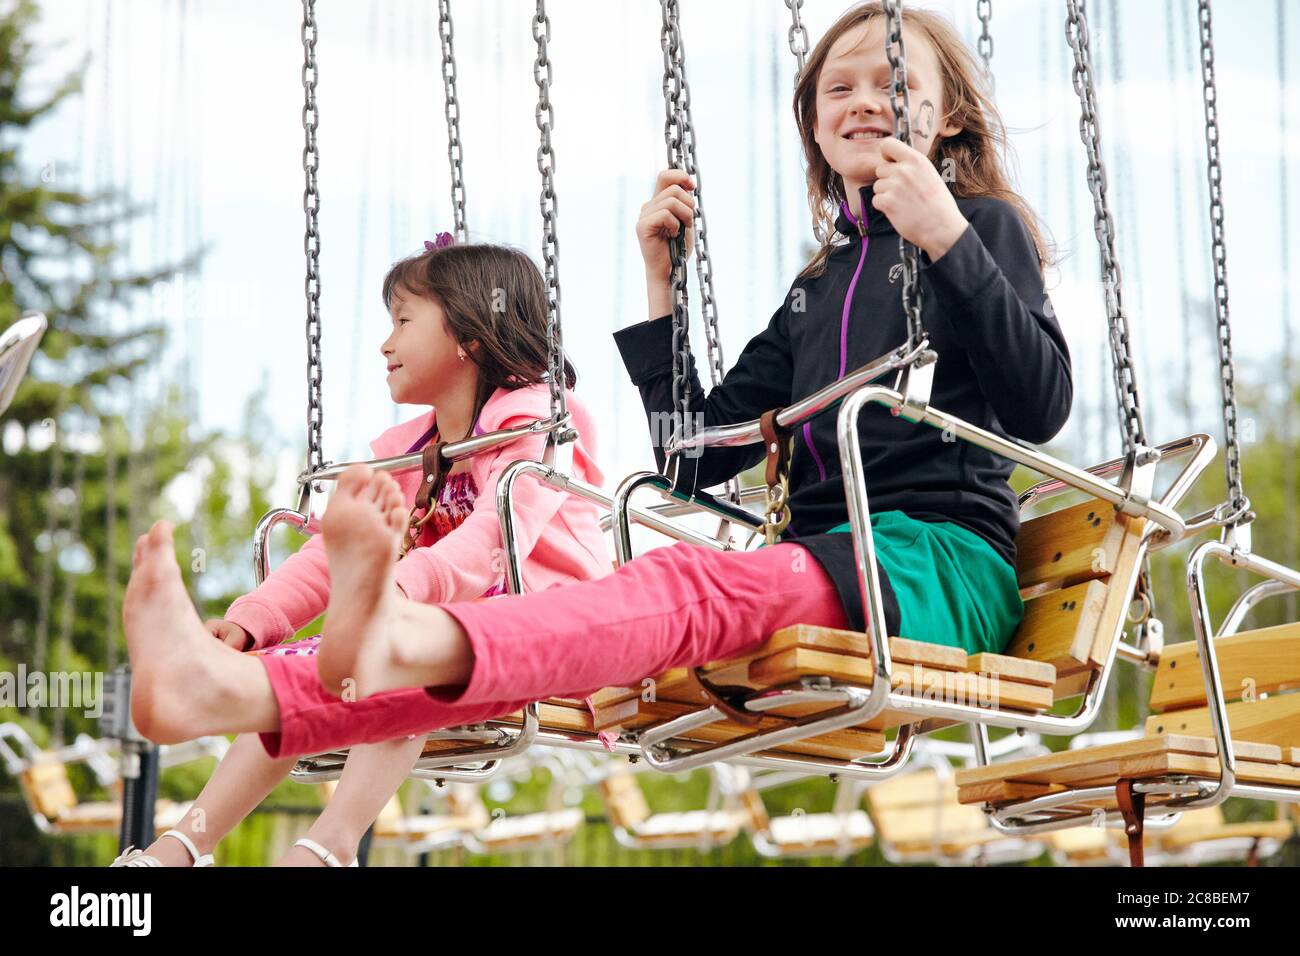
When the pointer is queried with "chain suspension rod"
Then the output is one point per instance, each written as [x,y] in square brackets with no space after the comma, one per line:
[984,9]
[1237,503]
[674,138]
[311,236]
[1124,374]
[455,155]
[798,35]
[543,75]
[901,105]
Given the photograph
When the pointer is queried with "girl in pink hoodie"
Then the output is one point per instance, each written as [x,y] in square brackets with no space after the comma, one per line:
[469,338]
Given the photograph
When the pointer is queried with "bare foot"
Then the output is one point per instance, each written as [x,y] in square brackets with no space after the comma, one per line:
[184,683]
[363,528]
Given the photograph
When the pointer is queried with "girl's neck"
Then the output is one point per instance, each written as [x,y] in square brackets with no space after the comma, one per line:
[454,410]
[853,196]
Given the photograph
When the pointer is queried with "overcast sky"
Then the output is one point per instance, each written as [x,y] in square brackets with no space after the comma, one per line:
[195,107]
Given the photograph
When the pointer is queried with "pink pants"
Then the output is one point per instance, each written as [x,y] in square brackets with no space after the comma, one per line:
[672,607]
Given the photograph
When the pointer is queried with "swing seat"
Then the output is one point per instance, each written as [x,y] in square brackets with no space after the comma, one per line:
[919,820]
[806,834]
[529,831]
[1076,568]
[1256,669]
[635,826]
[56,809]
[394,828]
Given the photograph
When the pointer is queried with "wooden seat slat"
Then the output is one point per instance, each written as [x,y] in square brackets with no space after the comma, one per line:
[1068,546]
[1251,662]
[1143,757]
[789,666]
[1269,720]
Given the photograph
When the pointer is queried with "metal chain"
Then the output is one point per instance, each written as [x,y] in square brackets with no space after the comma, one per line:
[703,261]
[454,154]
[311,237]
[542,74]
[984,9]
[1125,377]
[1237,502]
[798,35]
[901,104]
[674,137]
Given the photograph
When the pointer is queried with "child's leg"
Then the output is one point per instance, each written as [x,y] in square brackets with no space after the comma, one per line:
[371,776]
[241,781]
[675,607]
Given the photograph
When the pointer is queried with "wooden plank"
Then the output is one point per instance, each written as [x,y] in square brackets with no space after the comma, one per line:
[1012,668]
[1119,592]
[846,743]
[1068,546]
[790,665]
[917,788]
[1176,838]
[1006,791]
[1263,661]
[917,825]
[1272,720]
[1058,628]
[858,644]
[1044,769]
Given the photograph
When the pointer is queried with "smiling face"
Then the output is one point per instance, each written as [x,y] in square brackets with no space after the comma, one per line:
[853,112]
[421,352]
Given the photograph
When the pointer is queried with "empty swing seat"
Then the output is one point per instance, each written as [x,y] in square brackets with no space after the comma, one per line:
[634,825]
[56,809]
[1256,670]
[919,820]
[807,834]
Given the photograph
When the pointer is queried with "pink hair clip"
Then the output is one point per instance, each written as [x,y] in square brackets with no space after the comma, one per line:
[443,240]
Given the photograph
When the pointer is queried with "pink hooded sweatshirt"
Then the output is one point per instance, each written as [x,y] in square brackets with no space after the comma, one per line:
[558,534]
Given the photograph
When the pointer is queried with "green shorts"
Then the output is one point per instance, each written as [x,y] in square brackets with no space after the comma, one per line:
[952,587]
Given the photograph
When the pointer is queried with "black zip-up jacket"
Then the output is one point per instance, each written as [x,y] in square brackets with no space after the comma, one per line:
[1003,365]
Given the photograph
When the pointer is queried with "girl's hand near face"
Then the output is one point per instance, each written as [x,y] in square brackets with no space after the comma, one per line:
[671,210]
[910,191]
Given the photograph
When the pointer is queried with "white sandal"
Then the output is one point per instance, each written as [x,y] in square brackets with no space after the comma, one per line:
[324,855]
[134,857]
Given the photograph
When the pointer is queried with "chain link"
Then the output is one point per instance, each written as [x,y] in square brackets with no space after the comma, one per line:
[311,237]
[674,138]
[1125,377]
[543,76]
[798,35]
[454,154]
[984,8]
[901,104]
[703,261]
[1237,502]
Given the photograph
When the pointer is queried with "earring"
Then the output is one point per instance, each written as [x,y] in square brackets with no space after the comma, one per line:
[461,353]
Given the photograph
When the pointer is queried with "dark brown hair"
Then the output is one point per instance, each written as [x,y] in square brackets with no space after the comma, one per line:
[496,307]
[973,156]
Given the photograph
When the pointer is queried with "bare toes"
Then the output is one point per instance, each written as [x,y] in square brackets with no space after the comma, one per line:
[354,480]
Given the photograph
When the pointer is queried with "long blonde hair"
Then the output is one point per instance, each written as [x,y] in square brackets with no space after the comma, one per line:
[971,158]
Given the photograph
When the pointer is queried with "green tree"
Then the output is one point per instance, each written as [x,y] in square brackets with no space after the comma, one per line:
[75,457]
